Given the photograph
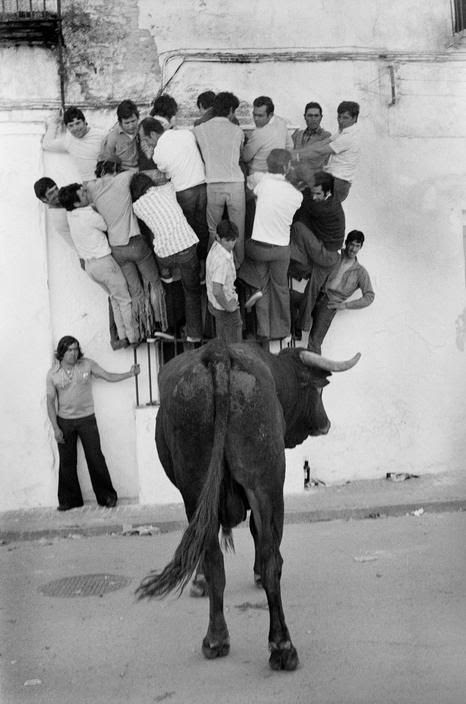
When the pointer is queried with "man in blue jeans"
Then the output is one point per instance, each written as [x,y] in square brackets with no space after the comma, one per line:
[345,278]
[70,408]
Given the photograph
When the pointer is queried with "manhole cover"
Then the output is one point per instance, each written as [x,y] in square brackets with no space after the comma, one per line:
[85,585]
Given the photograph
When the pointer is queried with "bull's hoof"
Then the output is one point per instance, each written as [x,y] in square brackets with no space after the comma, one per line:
[258,581]
[284,658]
[216,649]
[198,588]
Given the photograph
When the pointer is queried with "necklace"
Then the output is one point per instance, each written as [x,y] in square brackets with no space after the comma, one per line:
[68,372]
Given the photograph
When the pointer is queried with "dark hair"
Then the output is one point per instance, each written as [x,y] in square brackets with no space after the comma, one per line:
[127,109]
[264,100]
[107,166]
[324,179]
[140,184]
[68,196]
[73,113]
[311,105]
[227,230]
[355,236]
[205,100]
[42,186]
[150,124]
[63,345]
[277,160]
[348,106]
[165,106]
[223,103]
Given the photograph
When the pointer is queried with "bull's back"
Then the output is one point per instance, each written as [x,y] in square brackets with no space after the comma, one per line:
[186,418]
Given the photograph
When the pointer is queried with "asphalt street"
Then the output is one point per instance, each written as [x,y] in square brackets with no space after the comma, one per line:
[376,609]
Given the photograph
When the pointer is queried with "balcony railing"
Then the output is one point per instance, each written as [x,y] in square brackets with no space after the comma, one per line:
[30,21]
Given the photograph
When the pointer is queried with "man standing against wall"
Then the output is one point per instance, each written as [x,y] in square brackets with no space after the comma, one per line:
[342,148]
[80,141]
[312,134]
[271,132]
[220,142]
[120,144]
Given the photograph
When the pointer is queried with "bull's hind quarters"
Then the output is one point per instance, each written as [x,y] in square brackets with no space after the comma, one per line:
[212,402]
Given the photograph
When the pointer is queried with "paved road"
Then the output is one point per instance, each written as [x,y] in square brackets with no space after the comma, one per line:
[376,609]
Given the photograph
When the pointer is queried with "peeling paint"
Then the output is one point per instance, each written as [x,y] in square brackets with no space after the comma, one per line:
[108,57]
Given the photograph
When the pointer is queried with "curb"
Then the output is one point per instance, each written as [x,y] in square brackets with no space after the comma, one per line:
[291,517]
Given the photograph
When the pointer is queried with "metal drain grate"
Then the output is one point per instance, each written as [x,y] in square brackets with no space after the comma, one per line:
[84,585]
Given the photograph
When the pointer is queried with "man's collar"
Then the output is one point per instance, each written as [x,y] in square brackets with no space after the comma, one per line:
[314,130]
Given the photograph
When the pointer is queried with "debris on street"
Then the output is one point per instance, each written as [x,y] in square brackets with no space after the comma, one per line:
[140,530]
[400,476]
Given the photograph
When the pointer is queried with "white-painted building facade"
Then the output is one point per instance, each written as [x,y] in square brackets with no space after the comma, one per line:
[403,407]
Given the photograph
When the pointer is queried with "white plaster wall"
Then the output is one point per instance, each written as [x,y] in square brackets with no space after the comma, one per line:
[405,25]
[403,406]
[27,467]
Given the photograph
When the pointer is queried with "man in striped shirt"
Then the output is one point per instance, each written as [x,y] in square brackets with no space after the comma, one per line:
[175,242]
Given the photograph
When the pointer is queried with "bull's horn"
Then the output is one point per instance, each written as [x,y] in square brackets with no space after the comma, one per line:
[315,360]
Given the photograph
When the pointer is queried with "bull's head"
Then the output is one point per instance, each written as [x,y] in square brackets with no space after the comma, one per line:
[307,416]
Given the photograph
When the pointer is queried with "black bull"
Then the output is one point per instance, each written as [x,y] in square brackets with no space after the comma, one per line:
[226,416]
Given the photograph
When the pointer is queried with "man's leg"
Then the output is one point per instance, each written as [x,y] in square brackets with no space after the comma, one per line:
[188,264]
[279,295]
[193,202]
[69,491]
[215,206]
[144,259]
[322,317]
[229,326]
[98,471]
[106,272]
[236,203]
[341,189]
[121,254]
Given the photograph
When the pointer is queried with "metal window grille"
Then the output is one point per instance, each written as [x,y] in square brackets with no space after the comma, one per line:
[16,10]
[153,354]
[460,14]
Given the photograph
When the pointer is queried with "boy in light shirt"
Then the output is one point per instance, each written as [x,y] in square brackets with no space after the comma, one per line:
[220,283]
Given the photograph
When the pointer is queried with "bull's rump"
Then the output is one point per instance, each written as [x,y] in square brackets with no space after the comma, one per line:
[254,444]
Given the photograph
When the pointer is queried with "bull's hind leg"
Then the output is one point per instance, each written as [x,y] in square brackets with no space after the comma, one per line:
[268,516]
[217,640]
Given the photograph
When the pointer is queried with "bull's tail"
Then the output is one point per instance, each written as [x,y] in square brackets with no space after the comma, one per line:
[204,525]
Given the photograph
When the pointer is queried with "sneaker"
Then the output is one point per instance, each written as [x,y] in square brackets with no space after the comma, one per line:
[193,339]
[252,300]
[167,279]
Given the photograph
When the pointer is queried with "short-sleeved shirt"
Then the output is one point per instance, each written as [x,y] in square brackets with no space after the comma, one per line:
[74,392]
[121,145]
[162,214]
[87,230]
[343,161]
[220,142]
[84,150]
[178,156]
[112,198]
[277,202]
[220,269]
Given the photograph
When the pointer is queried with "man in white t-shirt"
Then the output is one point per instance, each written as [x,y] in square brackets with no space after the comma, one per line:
[343,149]
[80,141]
[88,232]
[267,259]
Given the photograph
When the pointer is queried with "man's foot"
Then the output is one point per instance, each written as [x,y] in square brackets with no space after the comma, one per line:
[163,336]
[252,300]
[68,507]
[110,503]
[119,344]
